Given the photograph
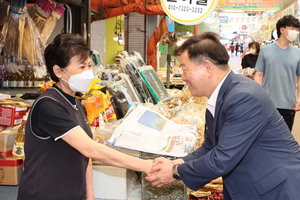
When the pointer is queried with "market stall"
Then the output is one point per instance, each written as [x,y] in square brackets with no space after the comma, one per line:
[130,81]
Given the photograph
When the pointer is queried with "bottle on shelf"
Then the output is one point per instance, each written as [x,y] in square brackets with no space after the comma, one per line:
[30,82]
[46,78]
[18,148]
[13,80]
[25,79]
[6,80]
[20,80]
[38,82]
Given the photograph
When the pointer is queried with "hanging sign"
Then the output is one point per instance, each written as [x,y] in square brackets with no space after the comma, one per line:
[188,12]
[212,18]
[170,24]
[261,5]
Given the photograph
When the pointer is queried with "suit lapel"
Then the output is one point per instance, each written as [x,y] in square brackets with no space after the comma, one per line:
[222,92]
[209,120]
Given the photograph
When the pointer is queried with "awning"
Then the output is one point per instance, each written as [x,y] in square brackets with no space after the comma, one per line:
[111,8]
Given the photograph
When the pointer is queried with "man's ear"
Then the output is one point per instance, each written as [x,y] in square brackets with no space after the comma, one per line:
[281,29]
[209,66]
[57,71]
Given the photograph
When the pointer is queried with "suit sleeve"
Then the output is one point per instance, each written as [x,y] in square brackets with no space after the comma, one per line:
[243,121]
[205,148]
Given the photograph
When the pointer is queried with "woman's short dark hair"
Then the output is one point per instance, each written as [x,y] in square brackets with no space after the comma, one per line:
[64,47]
[205,46]
[287,20]
[256,44]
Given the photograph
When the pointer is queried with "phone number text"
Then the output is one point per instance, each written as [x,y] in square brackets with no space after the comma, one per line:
[185,8]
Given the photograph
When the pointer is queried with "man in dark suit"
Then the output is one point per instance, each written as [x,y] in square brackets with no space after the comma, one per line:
[247,142]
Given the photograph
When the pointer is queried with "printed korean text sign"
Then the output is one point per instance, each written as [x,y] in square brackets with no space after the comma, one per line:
[188,12]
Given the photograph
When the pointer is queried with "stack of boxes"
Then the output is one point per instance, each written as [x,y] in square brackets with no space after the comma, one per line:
[10,119]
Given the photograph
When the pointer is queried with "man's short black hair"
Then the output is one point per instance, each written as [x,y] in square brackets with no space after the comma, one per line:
[287,20]
[205,46]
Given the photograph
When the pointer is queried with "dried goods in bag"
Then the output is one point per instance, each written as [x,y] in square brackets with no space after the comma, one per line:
[42,10]
[4,12]
[14,37]
[34,48]
[50,23]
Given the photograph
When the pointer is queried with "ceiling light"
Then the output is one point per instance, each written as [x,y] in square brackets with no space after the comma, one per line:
[115,38]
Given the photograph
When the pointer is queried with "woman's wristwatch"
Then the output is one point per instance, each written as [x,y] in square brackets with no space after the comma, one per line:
[176,176]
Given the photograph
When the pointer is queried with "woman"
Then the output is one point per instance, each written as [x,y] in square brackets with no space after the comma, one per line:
[59,145]
[250,59]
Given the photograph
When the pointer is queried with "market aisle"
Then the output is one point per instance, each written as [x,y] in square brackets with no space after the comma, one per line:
[235,64]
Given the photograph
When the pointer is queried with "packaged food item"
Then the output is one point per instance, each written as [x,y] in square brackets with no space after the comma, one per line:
[7,138]
[18,148]
[13,110]
[94,107]
[109,109]
[44,86]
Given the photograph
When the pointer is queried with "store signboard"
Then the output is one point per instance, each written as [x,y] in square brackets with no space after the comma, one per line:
[188,12]
[179,28]
[260,5]
[223,19]
[266,35]
[212,18]
[289,10]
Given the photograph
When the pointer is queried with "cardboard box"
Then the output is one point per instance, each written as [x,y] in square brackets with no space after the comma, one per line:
[7,139]
[12,116]
[10,171]
[113,183]
[5,96]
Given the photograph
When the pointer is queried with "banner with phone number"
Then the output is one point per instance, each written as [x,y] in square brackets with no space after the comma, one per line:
[248,5]
[190,12]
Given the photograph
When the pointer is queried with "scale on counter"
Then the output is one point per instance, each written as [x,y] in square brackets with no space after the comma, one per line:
[30,96]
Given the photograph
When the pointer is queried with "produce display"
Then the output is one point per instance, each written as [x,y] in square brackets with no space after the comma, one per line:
[4,11]
[176,191]
[211,191]
[34,48]
[45,14]
[14,36]
[24,32]
[248,72]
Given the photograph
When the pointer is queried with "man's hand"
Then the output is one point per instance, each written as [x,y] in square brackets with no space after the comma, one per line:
[297,105]
[160,160]
[161,174]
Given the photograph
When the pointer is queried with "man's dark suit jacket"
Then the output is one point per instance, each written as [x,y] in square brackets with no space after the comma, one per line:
[249,145]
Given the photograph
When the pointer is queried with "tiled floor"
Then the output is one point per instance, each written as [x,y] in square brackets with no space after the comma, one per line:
[235,64]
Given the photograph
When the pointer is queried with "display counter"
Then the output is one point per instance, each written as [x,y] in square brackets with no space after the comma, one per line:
[14,92]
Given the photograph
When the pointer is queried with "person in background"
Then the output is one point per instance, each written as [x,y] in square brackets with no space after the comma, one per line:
[237,48]
[59,145]
[232,48]
[250,59]
[226,46]
[242,49]
[246,140]
[278,69]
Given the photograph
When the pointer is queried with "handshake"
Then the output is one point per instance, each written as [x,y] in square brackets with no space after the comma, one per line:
[160,172]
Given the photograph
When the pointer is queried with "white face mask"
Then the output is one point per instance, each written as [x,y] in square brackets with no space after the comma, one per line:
[252,51]
[292,35]
[80,82]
